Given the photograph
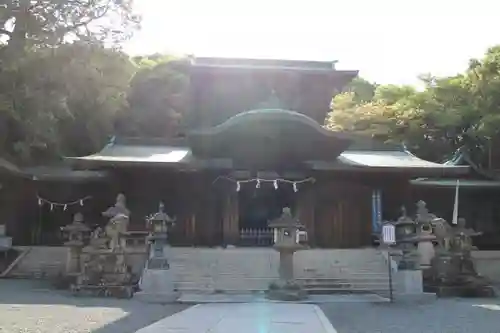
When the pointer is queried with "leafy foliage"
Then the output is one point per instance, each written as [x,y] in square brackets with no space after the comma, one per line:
[63,93]
[57,97]
[449,113]
[38,23]
[157,98]
[63,100]
[362,89]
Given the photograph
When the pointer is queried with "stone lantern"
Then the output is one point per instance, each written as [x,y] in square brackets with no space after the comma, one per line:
[158,225]
[405,229]
[425,236]
[452,270]
[413,237]
[157,283]
[286,231]
[120,207]
[76,235]
[405,226]
[286,243]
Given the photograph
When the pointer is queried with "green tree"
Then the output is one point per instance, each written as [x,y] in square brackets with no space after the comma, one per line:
[462,111]
[35,23]
[391,94]
[157,98]
[55,97]
[62,101]
[362,89]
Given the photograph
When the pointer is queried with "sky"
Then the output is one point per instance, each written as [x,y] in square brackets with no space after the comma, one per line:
[388,41]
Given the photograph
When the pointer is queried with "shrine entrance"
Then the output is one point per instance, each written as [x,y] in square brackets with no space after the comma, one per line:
[259,206]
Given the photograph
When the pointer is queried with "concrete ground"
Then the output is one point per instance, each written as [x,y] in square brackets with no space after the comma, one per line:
[27,307]
[440,316]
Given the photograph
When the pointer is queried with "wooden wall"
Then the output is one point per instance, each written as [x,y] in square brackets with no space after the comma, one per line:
[306,211]
[336,212]
[342,215]
[12,197]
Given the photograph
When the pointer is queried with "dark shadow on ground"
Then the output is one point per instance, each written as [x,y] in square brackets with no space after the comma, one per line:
[7,257]
[138,314]
[136,320]
[443,315]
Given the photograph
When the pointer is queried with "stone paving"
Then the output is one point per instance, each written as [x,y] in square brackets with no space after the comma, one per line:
[440,316]
[245,318]
[29,307]
[189,298]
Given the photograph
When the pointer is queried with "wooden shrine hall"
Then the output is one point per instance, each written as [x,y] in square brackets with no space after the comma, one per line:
[254,144]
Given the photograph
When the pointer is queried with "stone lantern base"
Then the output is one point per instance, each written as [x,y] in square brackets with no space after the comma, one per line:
[157,286]
[454,275]
[286,291]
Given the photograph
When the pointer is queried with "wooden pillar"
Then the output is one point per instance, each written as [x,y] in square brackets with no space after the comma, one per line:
[306,212]
[189,228]
[338,220]
[230,223]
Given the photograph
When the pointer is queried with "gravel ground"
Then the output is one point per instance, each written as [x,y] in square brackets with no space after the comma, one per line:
[27,307]
[441,316]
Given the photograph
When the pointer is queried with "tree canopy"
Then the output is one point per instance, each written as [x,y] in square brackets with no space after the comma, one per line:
[38,23]
[462,111]
[64,89]
[61,82]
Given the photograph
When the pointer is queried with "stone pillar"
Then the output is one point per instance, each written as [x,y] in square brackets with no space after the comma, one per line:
[73,260]
[286,266]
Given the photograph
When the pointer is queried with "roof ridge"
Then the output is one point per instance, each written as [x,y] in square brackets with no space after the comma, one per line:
[9,166]
[145,141]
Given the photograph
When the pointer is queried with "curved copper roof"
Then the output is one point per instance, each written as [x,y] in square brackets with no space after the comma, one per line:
[266,115]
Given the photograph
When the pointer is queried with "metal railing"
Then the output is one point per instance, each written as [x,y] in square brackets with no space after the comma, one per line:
[390,272]
[256,237]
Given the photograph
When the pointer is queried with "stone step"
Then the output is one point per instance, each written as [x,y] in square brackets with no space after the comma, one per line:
[346,285]
[346,291]
[342,279]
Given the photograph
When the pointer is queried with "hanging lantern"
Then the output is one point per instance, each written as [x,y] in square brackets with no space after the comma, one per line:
[51,207]
[40,202]
[276,184]
[295,189]
[81,202]
[238,186]
[65,207]
[258,183]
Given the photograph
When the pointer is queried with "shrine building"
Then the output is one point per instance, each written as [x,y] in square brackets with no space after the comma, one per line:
[254,143]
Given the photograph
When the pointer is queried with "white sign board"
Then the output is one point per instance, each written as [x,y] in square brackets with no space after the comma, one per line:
[389,234]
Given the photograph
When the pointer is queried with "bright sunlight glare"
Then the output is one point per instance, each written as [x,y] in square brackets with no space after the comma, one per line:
[494,307]
[389,41]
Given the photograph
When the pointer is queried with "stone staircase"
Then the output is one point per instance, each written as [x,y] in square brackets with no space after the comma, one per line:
[243,270]
[222,270]
[246,270]
[346,272]
[378,284]
[40,262]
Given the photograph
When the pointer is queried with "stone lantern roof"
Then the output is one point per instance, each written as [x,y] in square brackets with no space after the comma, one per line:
[77,225]
[286,220]
[160,215]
